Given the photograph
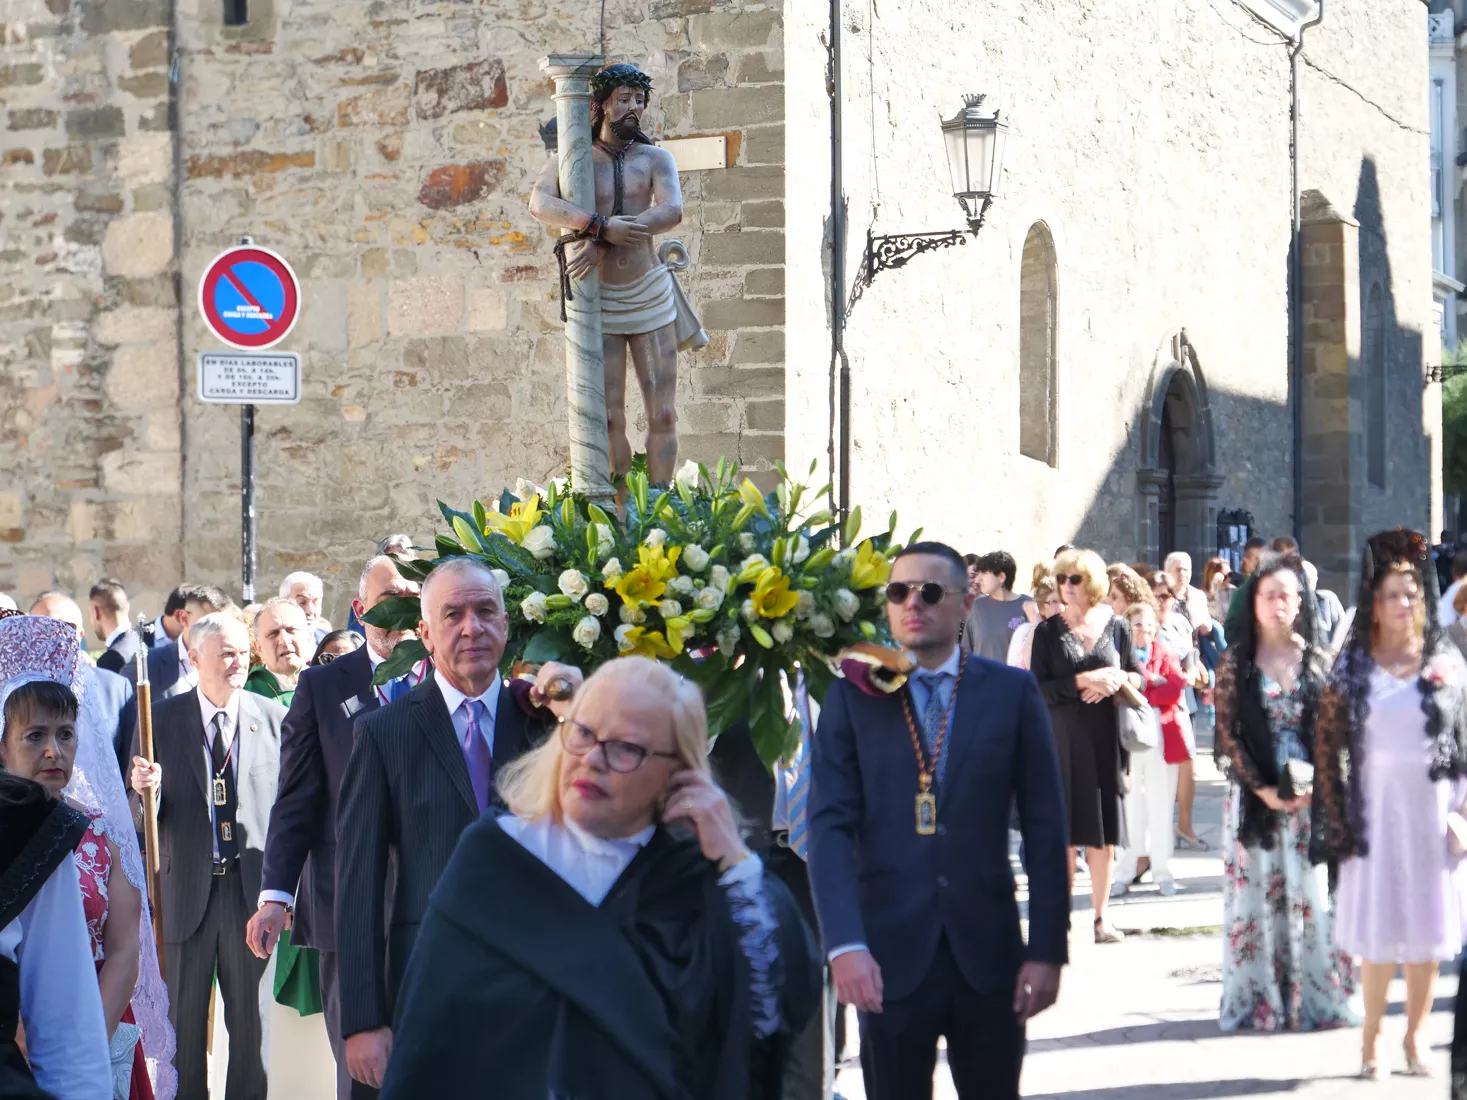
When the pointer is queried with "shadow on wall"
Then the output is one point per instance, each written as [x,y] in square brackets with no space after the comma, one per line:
[1196,450]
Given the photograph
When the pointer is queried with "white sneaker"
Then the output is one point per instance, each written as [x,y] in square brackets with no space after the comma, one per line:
[1166,887]
[1119,889]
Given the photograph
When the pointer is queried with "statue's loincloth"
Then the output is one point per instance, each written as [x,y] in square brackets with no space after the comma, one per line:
[644,305]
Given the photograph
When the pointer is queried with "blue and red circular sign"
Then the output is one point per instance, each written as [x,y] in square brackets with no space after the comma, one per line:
[250,298]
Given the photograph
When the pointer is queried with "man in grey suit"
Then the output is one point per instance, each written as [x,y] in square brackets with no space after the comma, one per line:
[421,772]
[220,746]
[170,670]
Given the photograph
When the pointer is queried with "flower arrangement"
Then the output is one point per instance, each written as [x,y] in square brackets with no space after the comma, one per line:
[729,585]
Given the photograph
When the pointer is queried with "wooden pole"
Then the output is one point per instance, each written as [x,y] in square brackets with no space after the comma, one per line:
[150,797]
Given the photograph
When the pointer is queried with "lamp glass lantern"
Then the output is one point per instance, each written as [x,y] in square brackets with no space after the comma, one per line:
[975,147]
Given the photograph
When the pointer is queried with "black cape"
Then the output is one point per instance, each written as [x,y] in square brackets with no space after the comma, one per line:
[520,989]
[36,834]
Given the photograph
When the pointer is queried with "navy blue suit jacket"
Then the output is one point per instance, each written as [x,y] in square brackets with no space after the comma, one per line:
[121,706]
[876,881]
[162,672]
[315,745]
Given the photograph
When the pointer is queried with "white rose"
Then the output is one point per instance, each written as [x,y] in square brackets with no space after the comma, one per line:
[597,604]
[748,612]
[527,490]
[822,625]
[754,561]
[605,542]
[845,558]
[782,631]
[632,616]
[718,578]
[611,570]
[655,538]
[670,609]
[846,603]
[623,645]
[746,542]
[501,578]
[533,608]
[586,632]
[688,474]
[573,583]
[683,586]
[540,541]
[728,640]
[804,606]
[709,599]
[802,550]
[695,557]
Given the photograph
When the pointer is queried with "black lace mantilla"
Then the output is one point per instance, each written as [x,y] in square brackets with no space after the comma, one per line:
[36,834]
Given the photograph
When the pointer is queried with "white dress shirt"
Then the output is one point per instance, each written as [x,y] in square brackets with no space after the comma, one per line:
[119,632]
[60,1001]
[1446,613]
[455,700]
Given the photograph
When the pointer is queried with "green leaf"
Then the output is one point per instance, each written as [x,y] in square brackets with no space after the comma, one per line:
[507,500]
[568,513]
[545,645]
[448,546]
[395,613]
[818,675]
[853,525]
[417,569]
[450,513]
[409,652]
[481,517]
[514,560]
[599,516]
[726,690]
[464,529]
[769,729]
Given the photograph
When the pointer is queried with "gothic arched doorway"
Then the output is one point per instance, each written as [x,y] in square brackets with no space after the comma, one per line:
[1176,481]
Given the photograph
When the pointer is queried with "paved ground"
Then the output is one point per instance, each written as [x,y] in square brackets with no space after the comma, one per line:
[1138,1020]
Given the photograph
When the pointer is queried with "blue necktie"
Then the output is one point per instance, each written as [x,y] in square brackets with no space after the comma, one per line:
[799,795]
[476,753]
[932,718]
[397,688]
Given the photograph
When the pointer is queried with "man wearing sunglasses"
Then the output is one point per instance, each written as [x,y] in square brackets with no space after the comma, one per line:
[909,826]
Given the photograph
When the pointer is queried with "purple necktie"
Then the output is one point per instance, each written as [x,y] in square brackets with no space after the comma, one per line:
[476,754]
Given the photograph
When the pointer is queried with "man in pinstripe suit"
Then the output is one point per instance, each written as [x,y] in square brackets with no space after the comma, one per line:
[420,773]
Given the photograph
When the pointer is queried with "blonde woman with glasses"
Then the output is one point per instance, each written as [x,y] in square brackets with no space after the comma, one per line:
[1081,658]
[589,942]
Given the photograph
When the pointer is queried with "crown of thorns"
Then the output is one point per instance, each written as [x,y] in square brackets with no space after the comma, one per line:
[619,76]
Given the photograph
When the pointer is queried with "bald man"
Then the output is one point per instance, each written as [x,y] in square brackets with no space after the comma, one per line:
[113,692]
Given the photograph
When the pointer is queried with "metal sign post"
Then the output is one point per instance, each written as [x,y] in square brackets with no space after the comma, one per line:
[250,299]
[247,502]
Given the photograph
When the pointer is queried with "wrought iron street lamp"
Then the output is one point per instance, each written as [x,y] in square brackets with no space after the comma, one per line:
[975,148]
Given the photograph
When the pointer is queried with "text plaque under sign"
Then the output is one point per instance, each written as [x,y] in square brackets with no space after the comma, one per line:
[238,378]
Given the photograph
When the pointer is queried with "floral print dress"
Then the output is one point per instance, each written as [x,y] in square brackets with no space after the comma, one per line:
[1282,970]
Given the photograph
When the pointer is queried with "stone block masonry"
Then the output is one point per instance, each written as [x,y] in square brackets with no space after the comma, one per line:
[389,153]
[91,453]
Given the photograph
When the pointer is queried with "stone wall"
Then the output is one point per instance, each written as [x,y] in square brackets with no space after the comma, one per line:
[388,151]
[90,454]
[1153,141]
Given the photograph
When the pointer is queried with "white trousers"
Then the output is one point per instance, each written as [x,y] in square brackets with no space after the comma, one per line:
[1149,815]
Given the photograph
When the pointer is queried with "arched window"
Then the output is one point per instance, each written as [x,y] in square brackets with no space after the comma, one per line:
[1375,388]
[1037,362]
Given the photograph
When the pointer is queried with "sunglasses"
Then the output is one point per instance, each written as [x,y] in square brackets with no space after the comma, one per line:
[1071,578]
[931,592]
[325,658]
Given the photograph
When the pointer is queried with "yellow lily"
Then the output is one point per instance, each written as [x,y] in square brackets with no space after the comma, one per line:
[772,596]
[651,643]
[646,582]
[870,569]
[752,498]
[523,516]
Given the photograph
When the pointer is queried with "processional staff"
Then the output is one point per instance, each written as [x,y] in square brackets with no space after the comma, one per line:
[150,795]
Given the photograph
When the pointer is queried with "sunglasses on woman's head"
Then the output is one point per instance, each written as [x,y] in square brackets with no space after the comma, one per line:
[931,591]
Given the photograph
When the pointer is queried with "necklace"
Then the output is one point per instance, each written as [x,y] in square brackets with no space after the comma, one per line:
[1401,666]
[926,800]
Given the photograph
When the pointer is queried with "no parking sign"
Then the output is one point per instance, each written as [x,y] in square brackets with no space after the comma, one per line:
[250,298]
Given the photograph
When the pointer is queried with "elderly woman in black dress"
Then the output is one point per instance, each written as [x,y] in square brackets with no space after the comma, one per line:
[1082,656]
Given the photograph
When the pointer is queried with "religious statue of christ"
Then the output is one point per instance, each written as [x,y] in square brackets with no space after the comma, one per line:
[642,310]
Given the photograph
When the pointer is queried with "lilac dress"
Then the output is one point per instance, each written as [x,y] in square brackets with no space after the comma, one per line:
[1405,902]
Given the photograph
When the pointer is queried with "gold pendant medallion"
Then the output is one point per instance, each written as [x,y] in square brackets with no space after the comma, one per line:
[220,793]
[926,813]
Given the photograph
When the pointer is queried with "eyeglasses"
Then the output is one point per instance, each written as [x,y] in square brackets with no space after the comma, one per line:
[621,756]
[1071,578]
[931,591]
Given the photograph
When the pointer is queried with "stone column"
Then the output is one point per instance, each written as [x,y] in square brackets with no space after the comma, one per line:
[585,368]
[1334,424]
